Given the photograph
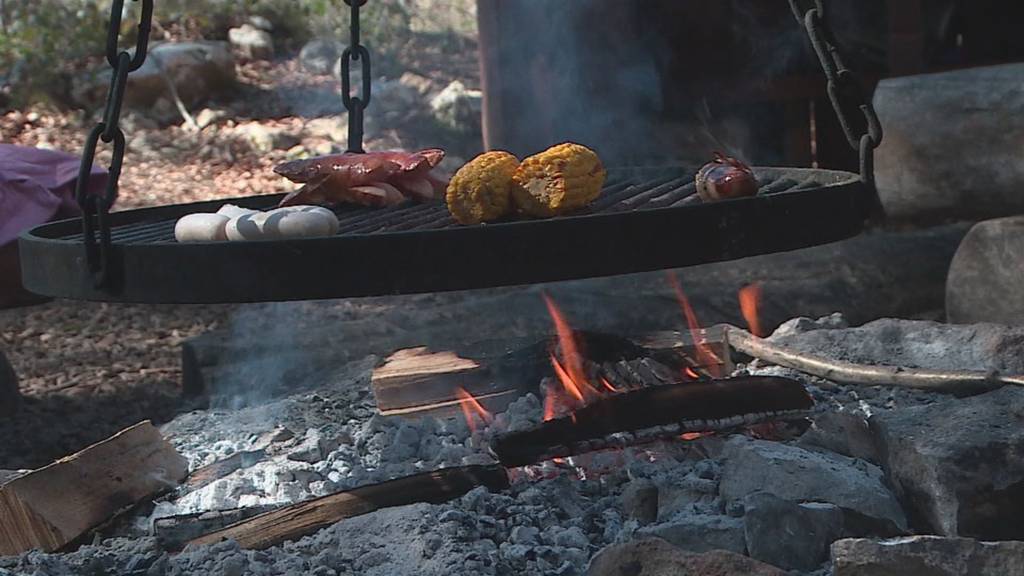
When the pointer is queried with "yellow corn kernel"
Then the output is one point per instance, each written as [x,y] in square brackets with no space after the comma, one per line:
[481,190]
[559,180]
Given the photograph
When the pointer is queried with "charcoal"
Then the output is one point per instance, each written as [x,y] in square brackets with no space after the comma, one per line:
[843,433]
[640,501]
[656,557]
[701,532]
[927,556]
[790,535]
[959,464]
[800,475]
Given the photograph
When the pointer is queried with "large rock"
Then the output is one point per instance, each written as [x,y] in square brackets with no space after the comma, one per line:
[800,475]
[916,344]
[959,464]
[790,535]
[458,108]
[655,557]
[927,556]
[10,397]
[951,144]
[319,55]
[986,274]
[199,71]
[251,42]
[700,532]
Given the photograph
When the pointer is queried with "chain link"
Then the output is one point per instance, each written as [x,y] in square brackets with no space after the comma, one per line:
[355,105]
[856,115]
[95,208]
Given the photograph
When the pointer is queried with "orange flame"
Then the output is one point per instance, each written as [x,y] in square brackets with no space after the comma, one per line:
[750,299]
[471,407]
[706,357]
[691,373]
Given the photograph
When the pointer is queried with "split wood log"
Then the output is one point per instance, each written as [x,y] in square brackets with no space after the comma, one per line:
[957,382]
[417,381]
[297,520]
[642,415]
[56,504]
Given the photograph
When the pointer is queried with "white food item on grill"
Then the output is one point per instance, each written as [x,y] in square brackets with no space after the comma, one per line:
[236,223]
[232,211]
[282,223]
[202,227]
[327,214]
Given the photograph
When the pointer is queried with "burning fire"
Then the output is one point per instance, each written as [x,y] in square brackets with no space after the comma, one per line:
[706,357]
[472,410]
[750,299]
[577,389]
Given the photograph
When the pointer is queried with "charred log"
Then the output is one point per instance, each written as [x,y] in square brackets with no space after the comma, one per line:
[641,415]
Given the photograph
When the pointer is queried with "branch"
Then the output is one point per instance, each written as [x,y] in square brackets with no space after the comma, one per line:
[957,382]
[189,120]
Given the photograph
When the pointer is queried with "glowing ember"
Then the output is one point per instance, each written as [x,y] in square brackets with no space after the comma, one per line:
[691,373]
[750,299]
[706,357]
[472,409]
[691,435]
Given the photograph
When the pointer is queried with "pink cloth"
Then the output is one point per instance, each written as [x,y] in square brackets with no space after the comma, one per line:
[37,186]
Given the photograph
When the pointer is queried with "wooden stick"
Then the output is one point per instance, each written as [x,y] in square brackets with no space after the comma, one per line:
[297,520]
[946,381]
[52,506]
[215,471]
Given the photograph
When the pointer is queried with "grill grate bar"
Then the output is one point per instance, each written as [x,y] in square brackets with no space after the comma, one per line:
[621,193]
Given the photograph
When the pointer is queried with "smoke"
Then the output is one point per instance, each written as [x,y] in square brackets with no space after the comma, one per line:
[657,82]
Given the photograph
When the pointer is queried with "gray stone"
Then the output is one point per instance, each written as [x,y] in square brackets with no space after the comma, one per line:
[458,107]
[949,146]
[793,473]
[843,433]
[10,396]
[655,557]
[261,22]
[262,138]
[959,464]
[319,55]
[927,556]
[789,535]
[700,533]
[251,43]
[199,70]
[986,274]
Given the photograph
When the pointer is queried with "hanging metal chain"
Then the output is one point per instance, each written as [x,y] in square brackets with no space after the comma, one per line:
[856,114]
[356,105]
[95,208]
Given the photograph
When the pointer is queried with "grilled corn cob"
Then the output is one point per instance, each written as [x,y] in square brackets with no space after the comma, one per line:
[481,190]
[561,179]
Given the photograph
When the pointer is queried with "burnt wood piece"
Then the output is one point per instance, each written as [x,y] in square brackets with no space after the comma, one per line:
[411,249]
[215,471]
[54,505]
[700,406]
[297,520]
[173,532]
